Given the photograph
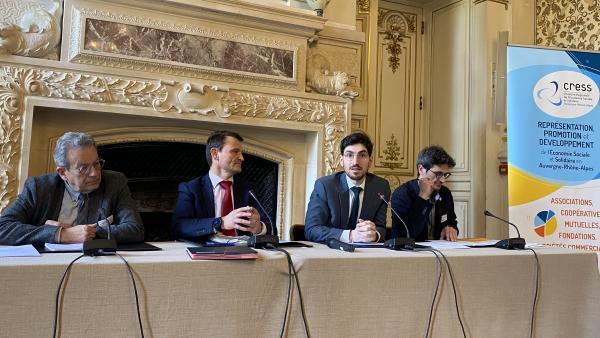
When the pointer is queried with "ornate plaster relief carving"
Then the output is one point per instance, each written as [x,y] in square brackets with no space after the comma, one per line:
[395,26]
[363,6]
[30,28]
[19,82]
[330,83]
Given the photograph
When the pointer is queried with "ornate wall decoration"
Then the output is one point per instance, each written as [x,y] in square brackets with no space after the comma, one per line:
[363,6]
[392,153]
[17,83]
[29,28]
[331,115]
[568,24]
[330,83]
[394,26]
[112,39]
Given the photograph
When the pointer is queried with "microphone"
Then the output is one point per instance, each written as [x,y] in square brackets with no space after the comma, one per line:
[100,247]
[399,243]
[263,241]
[508,243]
[336,244]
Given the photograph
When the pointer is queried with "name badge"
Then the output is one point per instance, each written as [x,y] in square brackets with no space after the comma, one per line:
[444,218]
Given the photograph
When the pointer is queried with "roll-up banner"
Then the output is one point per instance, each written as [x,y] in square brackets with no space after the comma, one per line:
[553,129]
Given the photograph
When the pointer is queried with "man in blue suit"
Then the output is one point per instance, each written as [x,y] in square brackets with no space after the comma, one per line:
[346,205]
[217,202]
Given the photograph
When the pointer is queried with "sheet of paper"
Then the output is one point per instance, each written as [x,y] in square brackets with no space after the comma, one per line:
[64,247]
[444,245]
[474,244]
[19,251]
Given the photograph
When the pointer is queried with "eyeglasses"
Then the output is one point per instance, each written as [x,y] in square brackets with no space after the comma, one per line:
[361,156]
[84,170]
[440,174]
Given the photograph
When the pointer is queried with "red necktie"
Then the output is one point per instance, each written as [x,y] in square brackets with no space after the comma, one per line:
[227,205]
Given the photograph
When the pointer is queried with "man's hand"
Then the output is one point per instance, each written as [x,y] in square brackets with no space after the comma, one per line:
[449,234]
[426,186]
[244,219]
[78,234]
[365,231]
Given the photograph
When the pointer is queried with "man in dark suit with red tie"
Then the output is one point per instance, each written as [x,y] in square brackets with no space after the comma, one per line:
[218,202]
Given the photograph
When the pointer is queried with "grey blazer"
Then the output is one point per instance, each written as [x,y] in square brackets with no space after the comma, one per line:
[328,209]
[41,200]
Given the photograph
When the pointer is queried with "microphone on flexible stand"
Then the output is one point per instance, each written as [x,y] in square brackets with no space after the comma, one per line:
[267,240]
[508,243]
[399,243]
[100,247]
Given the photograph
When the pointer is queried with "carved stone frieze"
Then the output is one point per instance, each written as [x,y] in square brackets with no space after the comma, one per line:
[18,83]
[331,115]
[191,98]
[394,26]
[30,28]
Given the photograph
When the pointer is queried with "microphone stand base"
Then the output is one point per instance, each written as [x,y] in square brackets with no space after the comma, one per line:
[99,247]
[511,244]
[401,243]
[262,241]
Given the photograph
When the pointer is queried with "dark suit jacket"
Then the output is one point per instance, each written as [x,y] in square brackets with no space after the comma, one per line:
[329,206]
[195,208]
[415,211]
[41,200]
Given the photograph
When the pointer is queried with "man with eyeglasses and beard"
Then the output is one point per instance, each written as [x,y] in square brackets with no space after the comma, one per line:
[424,203]
[77,203]
[346,205]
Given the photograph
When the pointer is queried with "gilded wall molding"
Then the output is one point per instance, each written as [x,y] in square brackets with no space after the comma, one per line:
[395,26]
[80,52]
[363,6]
[568,24]
[18,83]
[502,2]
[30,28]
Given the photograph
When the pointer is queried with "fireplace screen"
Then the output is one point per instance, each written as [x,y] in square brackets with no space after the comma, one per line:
[155,169]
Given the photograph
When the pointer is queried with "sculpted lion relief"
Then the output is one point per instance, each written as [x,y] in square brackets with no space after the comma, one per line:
[330,83]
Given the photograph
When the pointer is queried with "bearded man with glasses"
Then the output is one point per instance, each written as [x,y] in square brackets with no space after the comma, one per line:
[346,205]
[424,203]
[75,204]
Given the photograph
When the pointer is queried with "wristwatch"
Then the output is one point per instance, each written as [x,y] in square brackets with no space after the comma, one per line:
[217,223]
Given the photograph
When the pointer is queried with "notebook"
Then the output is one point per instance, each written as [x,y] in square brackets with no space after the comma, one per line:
[221,252]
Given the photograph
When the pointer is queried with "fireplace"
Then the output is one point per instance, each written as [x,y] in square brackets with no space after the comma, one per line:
[121,98]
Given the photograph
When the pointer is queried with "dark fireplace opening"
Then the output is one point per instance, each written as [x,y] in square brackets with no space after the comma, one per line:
[155,169]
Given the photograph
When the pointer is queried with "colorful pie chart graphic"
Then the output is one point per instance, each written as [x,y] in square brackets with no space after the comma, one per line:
[545,223]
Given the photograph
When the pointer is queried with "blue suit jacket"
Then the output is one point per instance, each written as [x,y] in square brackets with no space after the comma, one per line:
[329,206]
[195,207]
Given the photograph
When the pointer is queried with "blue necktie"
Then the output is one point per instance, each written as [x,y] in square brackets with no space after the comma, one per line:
[354,211]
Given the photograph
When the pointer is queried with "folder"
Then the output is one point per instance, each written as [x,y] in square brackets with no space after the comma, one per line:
[221,252]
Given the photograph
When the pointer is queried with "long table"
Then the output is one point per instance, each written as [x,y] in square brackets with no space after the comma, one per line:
[368,293]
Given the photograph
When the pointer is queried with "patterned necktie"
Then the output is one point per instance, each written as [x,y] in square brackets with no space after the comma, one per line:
[354,211]
[227,205]
[82,209]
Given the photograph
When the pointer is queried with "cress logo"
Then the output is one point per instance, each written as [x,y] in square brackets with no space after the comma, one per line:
[566,94]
